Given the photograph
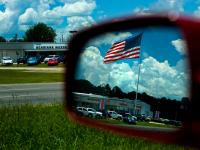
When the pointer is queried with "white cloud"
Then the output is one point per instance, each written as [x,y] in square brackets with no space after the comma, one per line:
[154,75]
[174,6]
[142,11]
[92,67]
[180,46]
[197,12]
[169,5]
[20,15]
[78,22]
[72,9]
[5,21]
[110,38]
[157,75]
[28,18]
[8,17]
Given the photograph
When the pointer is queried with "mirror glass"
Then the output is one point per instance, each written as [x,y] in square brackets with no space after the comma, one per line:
[134,78]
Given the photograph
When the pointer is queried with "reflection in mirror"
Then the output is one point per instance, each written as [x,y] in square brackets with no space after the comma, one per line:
[134,78]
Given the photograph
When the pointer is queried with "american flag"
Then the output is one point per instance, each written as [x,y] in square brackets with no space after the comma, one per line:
[128,48]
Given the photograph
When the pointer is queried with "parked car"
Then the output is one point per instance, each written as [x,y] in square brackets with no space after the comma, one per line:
[175,123]
[46,59]
[81,111]
[141,117]
[148,118]
[89,112]
[61,59]
[40,58]
[22,60]
[128,118]
[114,115]
[52,62]
[6,61]
[32,61]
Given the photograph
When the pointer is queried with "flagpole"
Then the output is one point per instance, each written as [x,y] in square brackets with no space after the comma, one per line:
[138,80]
[137,85]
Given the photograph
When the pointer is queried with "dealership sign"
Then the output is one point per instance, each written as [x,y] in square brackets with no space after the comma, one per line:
[49,46]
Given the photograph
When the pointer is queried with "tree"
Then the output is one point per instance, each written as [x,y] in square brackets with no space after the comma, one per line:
[40,33]
[2,39]
[117,92]
[15,39]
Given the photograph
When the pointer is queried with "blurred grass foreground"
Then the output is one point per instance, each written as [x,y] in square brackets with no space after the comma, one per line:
[47,127]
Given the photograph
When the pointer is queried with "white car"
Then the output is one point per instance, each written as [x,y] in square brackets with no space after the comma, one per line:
[115,115]
[89,112]
[46,59]
[6,61]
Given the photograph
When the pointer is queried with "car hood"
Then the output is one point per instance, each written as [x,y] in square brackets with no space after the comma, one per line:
[7,61]
[100,113]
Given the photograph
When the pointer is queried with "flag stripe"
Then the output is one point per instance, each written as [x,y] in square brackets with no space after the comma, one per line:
[123,56]
[129,48]
[118,44]
[115,48]
[135,50]
[115,51]
[130,55]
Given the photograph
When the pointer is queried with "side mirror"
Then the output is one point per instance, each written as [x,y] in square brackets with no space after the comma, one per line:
[137,77]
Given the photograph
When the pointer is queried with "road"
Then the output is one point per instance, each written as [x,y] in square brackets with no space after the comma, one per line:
[44,93]
[12,94]
[150,128]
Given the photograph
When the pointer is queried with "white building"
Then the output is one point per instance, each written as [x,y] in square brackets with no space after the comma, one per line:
[19,49]
[101,103]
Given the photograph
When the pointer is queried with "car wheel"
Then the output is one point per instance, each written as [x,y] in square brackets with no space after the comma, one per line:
[98,116]
[90,115]
[118,118]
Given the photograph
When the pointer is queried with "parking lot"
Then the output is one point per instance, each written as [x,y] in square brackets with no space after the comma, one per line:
[113,117]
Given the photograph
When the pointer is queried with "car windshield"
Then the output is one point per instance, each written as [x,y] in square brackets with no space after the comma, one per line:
[90,109]
[128,115]
[32,58]
[6,58]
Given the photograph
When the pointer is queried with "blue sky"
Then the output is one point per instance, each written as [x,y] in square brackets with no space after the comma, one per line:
[65,15]
[166,59]
[162,63]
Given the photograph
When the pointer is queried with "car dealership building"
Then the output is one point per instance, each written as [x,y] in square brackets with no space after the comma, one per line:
[102,103]
[20,49]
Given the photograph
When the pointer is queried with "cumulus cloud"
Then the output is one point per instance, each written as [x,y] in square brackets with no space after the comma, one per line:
[174,6]
[180,46]
[110,38]
[197,12]
[9,16]
[157,75]
[72,9]
[77,22]
[169,5]
[154,75]
[19,15]
[142,11]
[5,20]
[28,18]
[92,67]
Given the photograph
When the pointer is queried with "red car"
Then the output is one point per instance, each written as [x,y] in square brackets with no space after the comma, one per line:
[53,62]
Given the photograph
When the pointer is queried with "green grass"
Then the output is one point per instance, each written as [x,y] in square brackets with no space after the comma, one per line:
[141,123]
[20,76]
[46,127]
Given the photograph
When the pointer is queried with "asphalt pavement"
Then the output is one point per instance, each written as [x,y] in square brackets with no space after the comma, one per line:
[35,93]
[150,128]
